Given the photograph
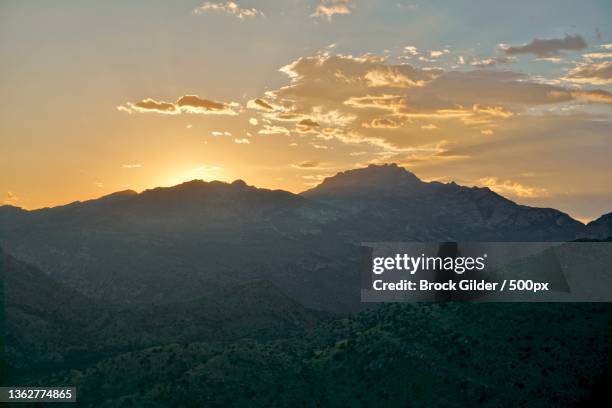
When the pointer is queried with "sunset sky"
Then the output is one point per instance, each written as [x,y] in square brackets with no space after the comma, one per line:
[101,96]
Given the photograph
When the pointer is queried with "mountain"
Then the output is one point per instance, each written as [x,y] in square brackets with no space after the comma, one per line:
[602,227]
[424,355]
[168,245]
[40,314]
[393,204]
[50,326]
[203,294]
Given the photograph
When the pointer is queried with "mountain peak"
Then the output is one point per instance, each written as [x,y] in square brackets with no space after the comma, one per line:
[376,178]
[239,183]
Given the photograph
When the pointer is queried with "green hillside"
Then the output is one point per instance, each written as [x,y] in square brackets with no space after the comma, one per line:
[536,355]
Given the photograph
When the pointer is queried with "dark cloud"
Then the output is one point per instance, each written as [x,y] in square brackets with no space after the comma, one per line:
[153,105]
[192,101]
[308,123]
[309,164]
[259,104]
[185,104]
[549,48]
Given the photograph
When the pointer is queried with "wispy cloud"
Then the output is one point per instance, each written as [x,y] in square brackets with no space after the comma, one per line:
[491,62]
[10,198]
[329,8]
[307,165]
[512,188]
[228,7]
[598,73]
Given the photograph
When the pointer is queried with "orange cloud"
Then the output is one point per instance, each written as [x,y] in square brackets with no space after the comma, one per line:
[512,188]
[598,73]
[185,104]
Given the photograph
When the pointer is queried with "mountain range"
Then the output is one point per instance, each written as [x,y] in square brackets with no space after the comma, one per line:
[223,294]
[170,244]
[252,346]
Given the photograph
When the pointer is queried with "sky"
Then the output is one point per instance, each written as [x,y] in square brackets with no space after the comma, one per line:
[99,97]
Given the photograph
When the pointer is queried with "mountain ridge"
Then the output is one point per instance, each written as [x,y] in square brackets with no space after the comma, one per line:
[173,243]
[378,171]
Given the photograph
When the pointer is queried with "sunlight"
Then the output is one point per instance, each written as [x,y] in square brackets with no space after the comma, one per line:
[201,172]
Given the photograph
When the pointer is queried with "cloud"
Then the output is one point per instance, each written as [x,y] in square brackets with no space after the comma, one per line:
[132,166]
[242,141]
[437,54]
[512,188]
[306,125]
[382,123]
[597,55]
[185,104]
[548,48]
[598,73]
[151,105]
[10,198]
[491,62]
[259,104]
[411,50]
[274,130]
[390,77]
[220,133]
[430,126]
[596,96]
[329,8]
[309,165]
[369,100]
[228,7]
[253,121]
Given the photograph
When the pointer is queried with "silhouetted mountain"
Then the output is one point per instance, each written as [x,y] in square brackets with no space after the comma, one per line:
[193,239]
[192,295]
[601,228]
[393,204]
[40,315]
[50,326]
[369,182]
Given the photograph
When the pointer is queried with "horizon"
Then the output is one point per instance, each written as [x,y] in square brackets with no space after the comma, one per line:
[229,182]
[288,94]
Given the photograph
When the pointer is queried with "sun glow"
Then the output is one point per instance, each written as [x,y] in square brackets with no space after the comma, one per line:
[198,172]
